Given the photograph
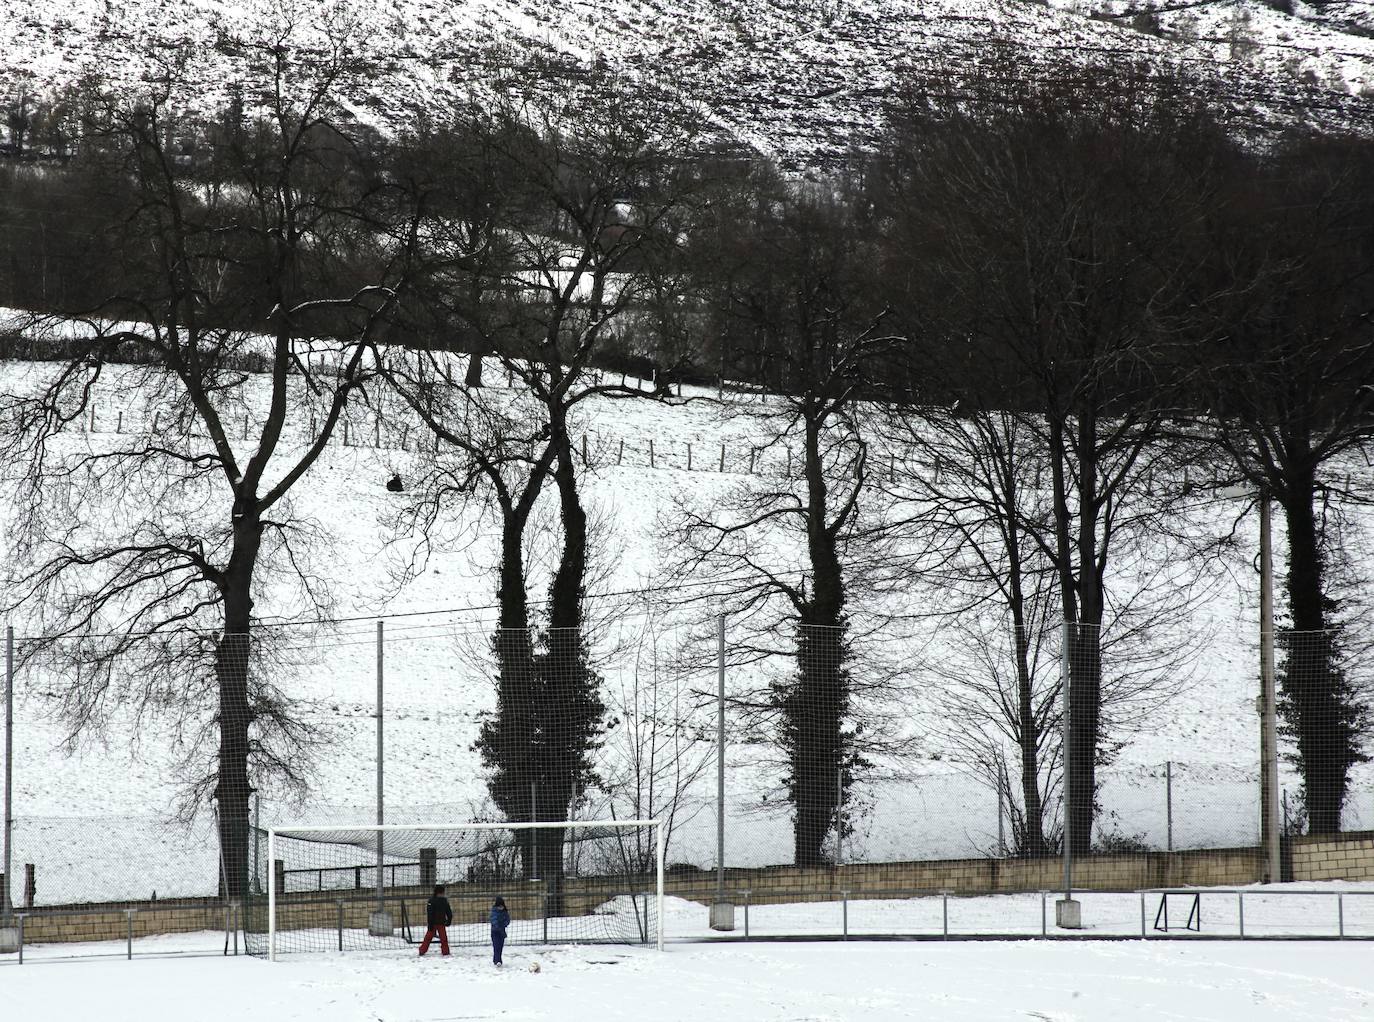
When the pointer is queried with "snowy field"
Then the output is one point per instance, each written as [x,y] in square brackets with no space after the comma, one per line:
[1118,980]
[95,818]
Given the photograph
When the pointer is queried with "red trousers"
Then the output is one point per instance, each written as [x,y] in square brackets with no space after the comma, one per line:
[429,935]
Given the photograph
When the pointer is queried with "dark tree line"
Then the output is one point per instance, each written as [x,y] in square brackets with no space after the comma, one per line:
[1099,257]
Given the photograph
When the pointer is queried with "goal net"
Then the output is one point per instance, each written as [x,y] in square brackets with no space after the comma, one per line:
[317,889]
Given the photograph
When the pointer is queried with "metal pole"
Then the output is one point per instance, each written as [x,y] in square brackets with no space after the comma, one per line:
[839,815]
[720,758]
[660,849]
[1169,804]
[1001,827]
[1068,767]
[6,903]
[381,904]
[1269,760]
[271,895]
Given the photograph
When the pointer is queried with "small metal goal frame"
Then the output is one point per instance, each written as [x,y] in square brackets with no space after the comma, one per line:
[385,828]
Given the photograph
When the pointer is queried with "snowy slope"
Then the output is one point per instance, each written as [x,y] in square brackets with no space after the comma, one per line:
[439,679]
[803,79]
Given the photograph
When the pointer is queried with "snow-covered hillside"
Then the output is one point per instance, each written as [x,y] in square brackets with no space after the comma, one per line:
[438,678]
[803,79]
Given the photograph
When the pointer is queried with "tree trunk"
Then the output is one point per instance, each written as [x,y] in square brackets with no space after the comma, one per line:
[1320,709]
[815,705]
[1085,687]
[506,741]
[1084,645]
[1033,841]
[814,711]
[572,709]
[233,660]
[1027,727]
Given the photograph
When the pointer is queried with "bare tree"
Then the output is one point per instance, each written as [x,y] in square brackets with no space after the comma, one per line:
[256,259]
[1057,216]
[656,753]
[788,287]
[582,217]
[1288,379]
[967,498]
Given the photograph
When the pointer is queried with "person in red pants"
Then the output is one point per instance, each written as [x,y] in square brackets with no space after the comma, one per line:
[438,916]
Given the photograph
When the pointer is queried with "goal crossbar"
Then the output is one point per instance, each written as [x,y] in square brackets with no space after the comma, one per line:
[304,830]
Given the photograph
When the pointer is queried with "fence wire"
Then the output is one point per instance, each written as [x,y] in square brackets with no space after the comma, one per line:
[843,748]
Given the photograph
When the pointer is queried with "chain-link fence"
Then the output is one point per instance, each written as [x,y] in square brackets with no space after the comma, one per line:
[870,756]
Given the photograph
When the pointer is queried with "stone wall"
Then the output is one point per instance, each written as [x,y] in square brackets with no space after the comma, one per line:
[60,926]
[1341,857]
[777,884]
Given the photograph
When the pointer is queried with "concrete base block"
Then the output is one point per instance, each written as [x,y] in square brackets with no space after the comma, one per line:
[380,924]
[1068,914]
[9,939]
[722,916]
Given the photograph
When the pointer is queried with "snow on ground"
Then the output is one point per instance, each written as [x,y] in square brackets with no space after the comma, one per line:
[438,681]
[948,982]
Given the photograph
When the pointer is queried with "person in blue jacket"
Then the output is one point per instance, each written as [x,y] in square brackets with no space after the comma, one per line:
[500,919]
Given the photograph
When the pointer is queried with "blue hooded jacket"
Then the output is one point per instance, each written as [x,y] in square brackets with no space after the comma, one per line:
[500,918]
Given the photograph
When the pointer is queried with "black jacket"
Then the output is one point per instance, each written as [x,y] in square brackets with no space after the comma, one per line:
[437,912]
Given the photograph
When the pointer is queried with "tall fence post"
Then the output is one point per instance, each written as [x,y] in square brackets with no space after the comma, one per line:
[839,815]
[1067,912]
[1168,805]
[1269,762]
[722,911]
[10,939]
[380,924]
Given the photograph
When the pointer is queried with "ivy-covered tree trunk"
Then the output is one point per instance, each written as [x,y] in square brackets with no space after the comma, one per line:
[814,706]
[815,703]
[506,740]
[570,707]
[233,652]
[1321,712]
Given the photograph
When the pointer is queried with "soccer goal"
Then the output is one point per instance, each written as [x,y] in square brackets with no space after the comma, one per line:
[330,888]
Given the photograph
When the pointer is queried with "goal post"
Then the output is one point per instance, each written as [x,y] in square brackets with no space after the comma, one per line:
[314,889]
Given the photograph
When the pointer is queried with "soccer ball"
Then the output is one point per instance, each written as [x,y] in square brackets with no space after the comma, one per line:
[534,966]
